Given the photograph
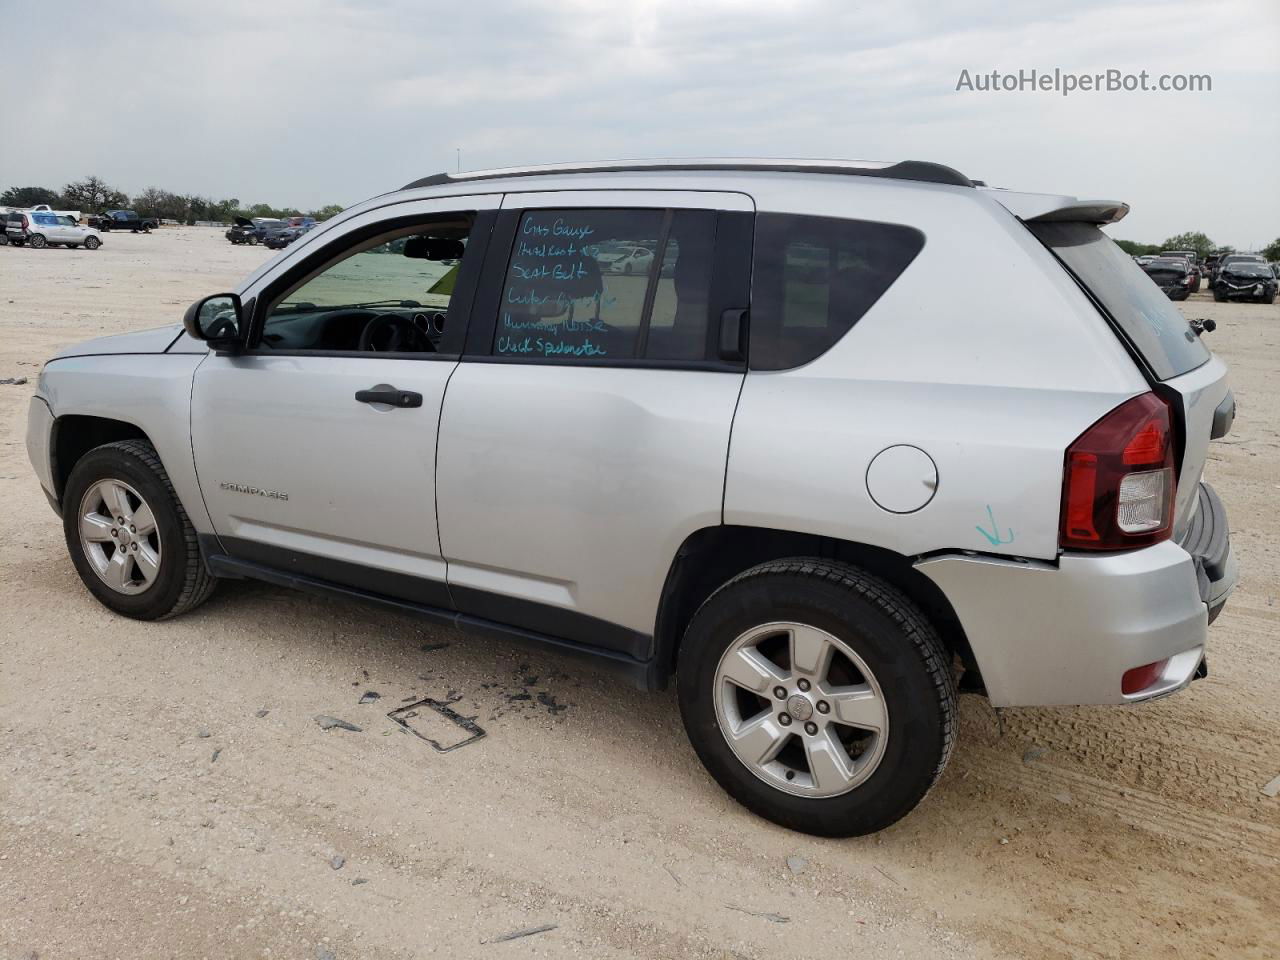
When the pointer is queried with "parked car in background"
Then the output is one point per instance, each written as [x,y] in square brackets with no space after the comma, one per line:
[624,258]
[1193,259]
[1275,268]
[5,217]
[242,231]
[123,220]
[1252,280]
[279,239]
[1173,275]
[39,229]
[776,478]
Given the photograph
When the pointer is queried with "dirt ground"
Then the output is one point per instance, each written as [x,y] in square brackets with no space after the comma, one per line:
[166,792]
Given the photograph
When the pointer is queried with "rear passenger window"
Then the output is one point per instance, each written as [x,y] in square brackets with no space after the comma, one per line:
[608,285]
[814,277]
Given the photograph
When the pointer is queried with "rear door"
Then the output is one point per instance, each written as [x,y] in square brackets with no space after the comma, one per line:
[584,434]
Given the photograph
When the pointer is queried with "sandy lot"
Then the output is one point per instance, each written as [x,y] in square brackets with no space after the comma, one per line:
[149,808]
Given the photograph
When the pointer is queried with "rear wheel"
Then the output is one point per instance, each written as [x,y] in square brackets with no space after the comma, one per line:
[129,536]
[38,241]
[818,696]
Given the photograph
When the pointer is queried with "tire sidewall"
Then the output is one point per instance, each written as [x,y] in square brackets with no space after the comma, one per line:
[111,462]
[916,743]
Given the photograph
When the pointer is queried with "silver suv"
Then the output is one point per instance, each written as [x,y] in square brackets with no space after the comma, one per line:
[45,228]
[806,460]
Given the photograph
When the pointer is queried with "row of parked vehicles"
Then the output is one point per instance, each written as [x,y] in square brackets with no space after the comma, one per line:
[1234,276]
[42,226]
[274,234]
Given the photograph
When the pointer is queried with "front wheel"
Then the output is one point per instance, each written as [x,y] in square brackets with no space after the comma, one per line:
[92,243]
[818,696]
[129,536]
[38,241]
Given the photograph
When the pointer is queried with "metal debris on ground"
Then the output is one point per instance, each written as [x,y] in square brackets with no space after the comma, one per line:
[771,917]
[1272,789]
[517,934]
[328,723]
[369,696]
[428,647]
[403,716]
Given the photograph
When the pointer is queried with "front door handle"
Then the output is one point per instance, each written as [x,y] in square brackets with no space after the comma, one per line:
[390,396]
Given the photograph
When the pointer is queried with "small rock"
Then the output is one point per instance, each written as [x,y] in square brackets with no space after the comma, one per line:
[1004,840]
[16,381]
[797,864]
[358,880]
[337,860]
[328,723]
[216,753]
[370,696]
[1272,789]
[262,713]
[203,734]
[1063,798]
[1033,753]
[324,953]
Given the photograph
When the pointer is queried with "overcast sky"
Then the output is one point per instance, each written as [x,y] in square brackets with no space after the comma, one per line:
[308,102]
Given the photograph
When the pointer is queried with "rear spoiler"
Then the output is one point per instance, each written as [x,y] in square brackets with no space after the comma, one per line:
[1048,207]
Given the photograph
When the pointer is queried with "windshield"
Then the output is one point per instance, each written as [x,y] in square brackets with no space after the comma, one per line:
[1146,316]
[1249,269]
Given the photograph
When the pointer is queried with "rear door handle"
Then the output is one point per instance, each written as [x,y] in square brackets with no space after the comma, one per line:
[390,396]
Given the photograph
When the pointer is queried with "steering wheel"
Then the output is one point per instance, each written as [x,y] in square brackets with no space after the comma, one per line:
[392,333]
[222,326]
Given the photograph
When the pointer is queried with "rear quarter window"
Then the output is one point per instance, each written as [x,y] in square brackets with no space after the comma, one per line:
[1146,317]
[813,278]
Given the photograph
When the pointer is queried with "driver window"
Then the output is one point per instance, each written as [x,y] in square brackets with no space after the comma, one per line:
[389,294]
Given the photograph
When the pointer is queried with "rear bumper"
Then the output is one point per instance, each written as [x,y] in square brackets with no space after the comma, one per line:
[1064,634]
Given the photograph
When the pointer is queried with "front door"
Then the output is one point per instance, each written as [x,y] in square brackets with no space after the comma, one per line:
[584,434]
[316,448]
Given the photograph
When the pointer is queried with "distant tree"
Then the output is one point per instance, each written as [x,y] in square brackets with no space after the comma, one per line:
[93,194]
[1198,242]
[1138,249]
[29,197]
[324,213]
[1272,250]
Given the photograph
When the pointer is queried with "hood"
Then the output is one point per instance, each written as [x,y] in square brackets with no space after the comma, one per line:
[242,221]
[140,341]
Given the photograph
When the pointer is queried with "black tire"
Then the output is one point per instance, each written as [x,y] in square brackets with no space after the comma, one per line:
[892,636]
[183,582]
[92,243]
[1219,297]
[37,241]
[1269,299]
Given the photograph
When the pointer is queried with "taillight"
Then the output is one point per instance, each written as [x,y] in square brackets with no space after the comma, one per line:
[1118,483]
[25,222]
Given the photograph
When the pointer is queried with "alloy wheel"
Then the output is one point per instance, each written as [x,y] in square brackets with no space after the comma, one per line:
[800,709]
[119,535]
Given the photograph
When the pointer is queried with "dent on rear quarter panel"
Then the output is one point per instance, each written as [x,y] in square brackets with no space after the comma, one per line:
[152,392]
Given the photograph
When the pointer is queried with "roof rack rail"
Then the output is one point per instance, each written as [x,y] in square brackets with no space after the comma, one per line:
[917,170]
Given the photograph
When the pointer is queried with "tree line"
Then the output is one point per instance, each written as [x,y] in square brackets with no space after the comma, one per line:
[1201,244]
[93,195]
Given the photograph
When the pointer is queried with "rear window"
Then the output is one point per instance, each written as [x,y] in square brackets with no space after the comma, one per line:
[1146,316]
[814,277]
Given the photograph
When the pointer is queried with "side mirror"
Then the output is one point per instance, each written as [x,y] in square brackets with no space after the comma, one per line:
[218,320]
